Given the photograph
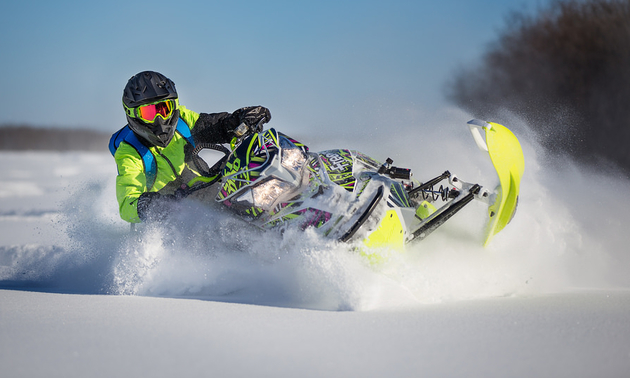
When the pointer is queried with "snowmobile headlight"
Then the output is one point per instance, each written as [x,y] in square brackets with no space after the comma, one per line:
[293,158]
[265,194]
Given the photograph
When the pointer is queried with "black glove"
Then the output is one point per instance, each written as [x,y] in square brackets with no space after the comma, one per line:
[153,206]
[252,117]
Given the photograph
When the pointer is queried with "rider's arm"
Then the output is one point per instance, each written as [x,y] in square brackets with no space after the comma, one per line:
[130,182]
[219,127]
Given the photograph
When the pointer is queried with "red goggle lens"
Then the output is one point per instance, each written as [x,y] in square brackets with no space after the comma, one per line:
[148,112]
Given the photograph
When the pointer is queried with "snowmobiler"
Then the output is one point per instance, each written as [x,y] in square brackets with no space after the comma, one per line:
[274,181]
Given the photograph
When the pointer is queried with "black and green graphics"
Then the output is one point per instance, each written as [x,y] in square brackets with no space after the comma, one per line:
[398,195]
[245,166]
[338,164]
[272,180]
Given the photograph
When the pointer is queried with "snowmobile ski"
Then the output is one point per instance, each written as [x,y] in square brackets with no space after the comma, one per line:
[507,157]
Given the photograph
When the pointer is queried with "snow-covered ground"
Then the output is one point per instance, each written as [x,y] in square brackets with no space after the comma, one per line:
[80,295]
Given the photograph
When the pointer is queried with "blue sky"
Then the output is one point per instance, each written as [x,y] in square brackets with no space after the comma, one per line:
[65,63]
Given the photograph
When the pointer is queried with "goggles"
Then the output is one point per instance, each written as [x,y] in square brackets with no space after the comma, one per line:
[148,113]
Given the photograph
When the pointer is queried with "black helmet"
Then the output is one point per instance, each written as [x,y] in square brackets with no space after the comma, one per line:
[146,88]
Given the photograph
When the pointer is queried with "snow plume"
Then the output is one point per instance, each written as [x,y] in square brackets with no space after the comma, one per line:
[212,255]
[569,232]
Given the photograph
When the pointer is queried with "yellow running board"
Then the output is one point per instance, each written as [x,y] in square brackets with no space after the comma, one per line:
[507,157]
[388,235]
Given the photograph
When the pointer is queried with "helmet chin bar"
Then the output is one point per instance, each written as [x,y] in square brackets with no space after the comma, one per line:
[165,138]
[158,133]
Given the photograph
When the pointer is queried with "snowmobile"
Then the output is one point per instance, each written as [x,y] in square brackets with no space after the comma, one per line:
[274,181]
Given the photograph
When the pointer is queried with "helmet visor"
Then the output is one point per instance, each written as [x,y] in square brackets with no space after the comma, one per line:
[149,112]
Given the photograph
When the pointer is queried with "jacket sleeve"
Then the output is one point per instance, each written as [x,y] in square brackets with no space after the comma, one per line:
[130,182]
[219,127]
[215,127]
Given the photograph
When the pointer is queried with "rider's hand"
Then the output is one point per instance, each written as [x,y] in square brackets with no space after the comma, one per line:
[153,206]
[252,117]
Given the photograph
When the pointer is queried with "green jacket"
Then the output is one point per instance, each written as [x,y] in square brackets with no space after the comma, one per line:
[174,163]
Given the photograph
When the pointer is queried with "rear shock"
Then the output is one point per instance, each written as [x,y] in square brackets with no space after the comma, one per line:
[427,190]
[445,215]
